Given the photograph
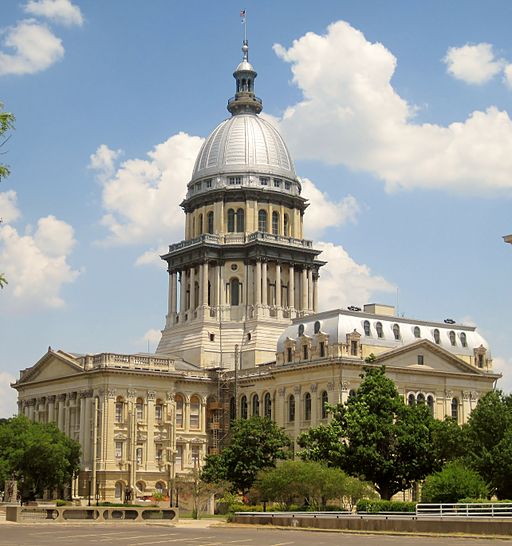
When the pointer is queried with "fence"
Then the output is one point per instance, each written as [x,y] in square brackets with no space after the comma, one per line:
[469,510]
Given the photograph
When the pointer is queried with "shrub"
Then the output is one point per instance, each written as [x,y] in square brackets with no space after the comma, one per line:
[452,483]
[379,505]
[60,502]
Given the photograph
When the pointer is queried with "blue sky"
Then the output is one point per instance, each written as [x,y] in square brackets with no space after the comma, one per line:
[397,115]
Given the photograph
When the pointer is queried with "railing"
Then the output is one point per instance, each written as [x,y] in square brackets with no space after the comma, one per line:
[466,510]
[136,362]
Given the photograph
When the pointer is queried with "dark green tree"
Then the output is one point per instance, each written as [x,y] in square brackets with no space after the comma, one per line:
[454,483]
[376,437]
[448,441]
[256,443]
[6,124]
[38,455]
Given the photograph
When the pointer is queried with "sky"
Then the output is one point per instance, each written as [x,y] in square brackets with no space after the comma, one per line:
[397,115]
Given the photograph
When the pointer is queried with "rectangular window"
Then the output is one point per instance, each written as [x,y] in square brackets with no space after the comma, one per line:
[287,185]
[139,455]
[305,352]
[209,183]
[353,348]
[289,354]
[420,360]
[322,349]
[198,186]
[159,454]
[139,411]
[158,412]
[179,457]
[264,181]
[234,180]
[119,450]
[194,413]
[277,182]
[179,412]
[119,412]
[480,361]
[195,455]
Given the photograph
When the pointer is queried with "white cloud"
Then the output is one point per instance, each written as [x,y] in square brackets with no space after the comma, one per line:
[142,197]
[8,396]
[473,64]
[103,161]
[323,213]
[344,282]
[504,366]
[35,49]
[9,211]
[152,337]
[152,257]
[60,11]
[350,114]
[36,265]
[507,75]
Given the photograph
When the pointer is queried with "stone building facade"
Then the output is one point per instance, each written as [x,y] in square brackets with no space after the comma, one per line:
[243,334]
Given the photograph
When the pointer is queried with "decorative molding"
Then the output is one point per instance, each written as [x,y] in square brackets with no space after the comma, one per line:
[281,391]
[120,436]
[345,385]
[151,395]
[466,395]
[169,396]
[111,393]
[131,393]
[330,386]
[51,399]
[86,394]
[313,387]
[61,397]
[141,437]
[297,389]
[449,394]
[475,395]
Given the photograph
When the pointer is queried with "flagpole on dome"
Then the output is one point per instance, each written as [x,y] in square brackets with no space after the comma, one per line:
[243,15]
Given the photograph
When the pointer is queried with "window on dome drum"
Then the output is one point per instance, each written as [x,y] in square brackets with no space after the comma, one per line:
[243,407]
[286,225]
[305,352]
[324,401]
[289,354]
[366,326]
[417,331]
[455,409]
[255,405]
[307,407]
[430,403]
[200,225]
[411,400]
[277,182]
[453,338]
[287,185]
[179,410]
[262,221]
[194,412]
[197,186]
[463,339]
[420,399]
[275,223]
[437,336]
[267,406]
[240,220]
[209,222]
[322,349]
[234,180]
[234,291]
[291,408]
[379,330]
[209,183]
[264,181]
[420,360]
[231,221]
[396,331]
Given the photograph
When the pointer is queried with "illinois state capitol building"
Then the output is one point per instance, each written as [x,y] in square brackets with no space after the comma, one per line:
[243,334]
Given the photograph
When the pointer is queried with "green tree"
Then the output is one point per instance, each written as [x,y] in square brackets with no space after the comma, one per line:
[453,483]
[194,486]
[448,441]
[6,124]
[38,455]
[376,437]
[256,443]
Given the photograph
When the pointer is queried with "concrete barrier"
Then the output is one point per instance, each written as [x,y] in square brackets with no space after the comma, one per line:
[480,526]
[98,514]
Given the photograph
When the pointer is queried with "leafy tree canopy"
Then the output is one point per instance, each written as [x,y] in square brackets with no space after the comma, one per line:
[6,124]
[375,436]
[256,443]
[38,455]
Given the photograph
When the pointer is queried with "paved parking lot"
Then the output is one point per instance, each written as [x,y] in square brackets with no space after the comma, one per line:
[42,534]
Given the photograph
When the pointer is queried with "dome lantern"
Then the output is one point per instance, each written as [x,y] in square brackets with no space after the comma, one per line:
[245,101]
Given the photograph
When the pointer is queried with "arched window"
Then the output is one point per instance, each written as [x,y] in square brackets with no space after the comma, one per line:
[231,221]
[240,223]
[139,409]
[420,399]
[430,404]
[324,401]
[352,393]
[159,410]
[232,408]
[307,407]
[411,400]
[455,409]
[255,405]
[417,331]
[289,354]
[437,336]
[243,407]
[286,226]
[160,487]
[141,486]
[453,338]
[378,328]
[291,408]
[396,331]
[200,225]
[195,405]
[366,326]
[119,488]
[209,221]
[262,221]
[179,410]
[463,339]
[234,291]
[275,223]
[305,352]
[267,406]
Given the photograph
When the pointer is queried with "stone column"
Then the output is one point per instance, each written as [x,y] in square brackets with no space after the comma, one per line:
[278,284]
[61,399]
[315,293]
[87,428]
[258,283]
[192,290]
[291,286]
[204,284]
[264,299]
[310,289]
[172,294]
[222,288]
[183,293]
[304,289]
[81,438]
[150,420]
[51,408]
[249,284]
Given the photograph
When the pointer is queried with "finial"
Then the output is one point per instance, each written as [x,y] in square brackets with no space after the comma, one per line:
[245,50]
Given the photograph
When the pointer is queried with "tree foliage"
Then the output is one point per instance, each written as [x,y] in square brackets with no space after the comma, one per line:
[38,455]
[375,436]
[256,443]
[453,483]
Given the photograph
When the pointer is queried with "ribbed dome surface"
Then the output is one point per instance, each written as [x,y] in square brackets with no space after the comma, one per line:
[244,143]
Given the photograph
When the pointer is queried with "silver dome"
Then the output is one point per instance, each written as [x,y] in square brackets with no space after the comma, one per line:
[244,143]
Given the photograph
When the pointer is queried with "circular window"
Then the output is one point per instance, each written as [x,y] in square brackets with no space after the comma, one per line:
[301,329]
[317,327]
[234,267]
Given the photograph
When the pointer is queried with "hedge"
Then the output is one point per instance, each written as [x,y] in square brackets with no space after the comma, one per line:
[374,506]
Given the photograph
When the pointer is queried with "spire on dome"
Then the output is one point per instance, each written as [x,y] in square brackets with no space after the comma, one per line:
[245,101]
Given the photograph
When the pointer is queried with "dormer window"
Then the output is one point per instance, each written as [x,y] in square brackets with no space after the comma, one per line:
[453,338]
[463,339]
[396,331]
[367,329]
[417,332]
[379,330]
[437,337]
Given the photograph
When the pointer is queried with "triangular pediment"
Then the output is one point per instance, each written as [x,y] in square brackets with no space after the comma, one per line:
[435,358]
[53,365]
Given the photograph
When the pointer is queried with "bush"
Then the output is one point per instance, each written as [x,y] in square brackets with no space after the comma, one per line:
[453,483]
[60,502]
[374,506]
